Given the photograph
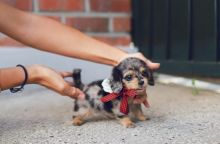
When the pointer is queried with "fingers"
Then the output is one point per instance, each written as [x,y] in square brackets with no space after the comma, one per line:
[152,65]
[66,74]
[140,56]
[73,92]
[68,90]
[149,63]
[55,81]
[70,83]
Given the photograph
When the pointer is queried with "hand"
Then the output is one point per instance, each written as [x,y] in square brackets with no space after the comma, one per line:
[53,80]
[139,55]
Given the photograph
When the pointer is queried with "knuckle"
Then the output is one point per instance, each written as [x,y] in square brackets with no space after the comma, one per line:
[67,90]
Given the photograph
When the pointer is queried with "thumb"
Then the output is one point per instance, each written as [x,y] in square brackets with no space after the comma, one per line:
[152,65]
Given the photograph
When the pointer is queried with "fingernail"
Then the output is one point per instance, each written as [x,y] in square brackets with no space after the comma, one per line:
[81,96]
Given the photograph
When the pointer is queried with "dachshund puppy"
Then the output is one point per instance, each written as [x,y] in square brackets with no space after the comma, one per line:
[132,75]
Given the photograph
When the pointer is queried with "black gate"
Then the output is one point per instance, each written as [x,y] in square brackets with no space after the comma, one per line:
[183,35]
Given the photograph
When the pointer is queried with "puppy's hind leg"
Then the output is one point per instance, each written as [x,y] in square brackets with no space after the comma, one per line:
[83,112]
[81,118]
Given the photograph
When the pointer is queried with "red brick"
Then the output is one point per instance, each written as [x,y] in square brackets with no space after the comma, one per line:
[6,41]
[88,24]
[115,41]
[20,4]
[122,24]
[61,5]
[110,5]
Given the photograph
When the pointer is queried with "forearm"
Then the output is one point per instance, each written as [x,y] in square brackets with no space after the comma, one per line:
[11,77]
[49,35]
[41,75]
[15,76]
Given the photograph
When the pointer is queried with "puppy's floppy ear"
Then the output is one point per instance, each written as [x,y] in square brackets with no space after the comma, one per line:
[116,80]
[150,77]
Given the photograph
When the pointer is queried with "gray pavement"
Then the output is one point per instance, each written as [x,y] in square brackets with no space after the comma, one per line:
[177,116]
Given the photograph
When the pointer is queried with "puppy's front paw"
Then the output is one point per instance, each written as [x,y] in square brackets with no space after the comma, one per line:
[77,121]
[143,118]
[127,123]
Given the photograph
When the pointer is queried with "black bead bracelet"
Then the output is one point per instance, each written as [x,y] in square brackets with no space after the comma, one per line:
[17,89]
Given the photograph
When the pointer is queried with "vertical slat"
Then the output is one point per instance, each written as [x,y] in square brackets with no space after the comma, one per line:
[191,32]
[217,11]
[169,30]
[183,34]
[179,46]
[160,29]
[204,27]
[151,29]
[134,22]
[141,25]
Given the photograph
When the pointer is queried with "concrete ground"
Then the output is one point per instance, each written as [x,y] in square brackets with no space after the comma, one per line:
[177,116]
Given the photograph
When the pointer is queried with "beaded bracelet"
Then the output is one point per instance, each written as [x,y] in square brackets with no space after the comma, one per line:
[17,89]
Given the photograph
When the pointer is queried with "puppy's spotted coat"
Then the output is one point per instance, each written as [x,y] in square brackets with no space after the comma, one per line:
[131,73]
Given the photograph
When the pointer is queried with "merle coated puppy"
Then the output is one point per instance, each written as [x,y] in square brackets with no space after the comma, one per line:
[131,73]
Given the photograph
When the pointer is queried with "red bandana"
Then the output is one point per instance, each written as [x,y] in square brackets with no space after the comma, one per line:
[125,93]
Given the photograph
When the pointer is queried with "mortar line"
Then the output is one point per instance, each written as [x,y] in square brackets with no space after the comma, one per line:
[87,5]
[83,14]
[36,6]
[111,26]
[63,19]
[121,34]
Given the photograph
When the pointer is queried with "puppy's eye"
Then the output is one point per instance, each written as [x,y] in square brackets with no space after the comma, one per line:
[144,73]
[128,77]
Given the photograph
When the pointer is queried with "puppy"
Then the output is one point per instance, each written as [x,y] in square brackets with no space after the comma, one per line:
[130,74]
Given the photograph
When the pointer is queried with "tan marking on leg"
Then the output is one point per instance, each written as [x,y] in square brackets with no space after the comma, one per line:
[80,119]
[140,116]
[138,113]
[77,121]
[126,122]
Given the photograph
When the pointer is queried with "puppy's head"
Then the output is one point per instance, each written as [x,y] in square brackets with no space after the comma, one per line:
[131,73]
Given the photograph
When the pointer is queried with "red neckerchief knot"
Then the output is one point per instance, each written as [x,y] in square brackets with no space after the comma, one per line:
[125,93]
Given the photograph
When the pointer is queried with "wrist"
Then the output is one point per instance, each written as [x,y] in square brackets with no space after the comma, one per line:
[33,73]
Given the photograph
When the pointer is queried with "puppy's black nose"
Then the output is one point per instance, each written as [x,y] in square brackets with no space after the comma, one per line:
[141,82]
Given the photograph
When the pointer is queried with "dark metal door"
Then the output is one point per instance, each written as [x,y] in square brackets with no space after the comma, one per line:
[183,35]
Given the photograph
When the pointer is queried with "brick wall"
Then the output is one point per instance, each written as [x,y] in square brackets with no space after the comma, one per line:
[106,20]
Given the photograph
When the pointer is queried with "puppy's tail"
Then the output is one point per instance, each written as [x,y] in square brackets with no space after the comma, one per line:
[77,79]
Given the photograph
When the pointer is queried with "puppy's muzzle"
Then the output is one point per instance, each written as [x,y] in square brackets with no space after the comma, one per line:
[141,82]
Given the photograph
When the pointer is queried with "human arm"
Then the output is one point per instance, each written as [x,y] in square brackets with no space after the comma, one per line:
[38,74]
[48,35]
